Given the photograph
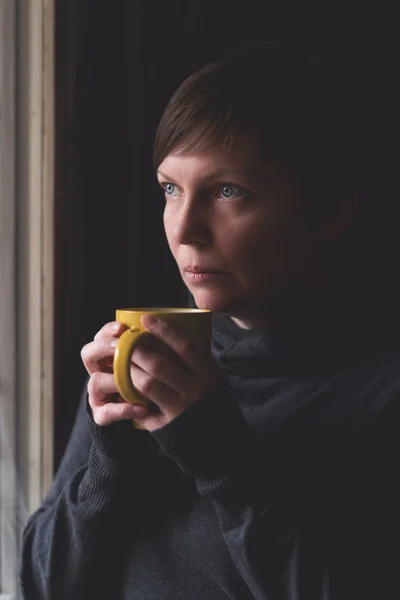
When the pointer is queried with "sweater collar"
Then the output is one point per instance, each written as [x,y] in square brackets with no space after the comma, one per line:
[318,342]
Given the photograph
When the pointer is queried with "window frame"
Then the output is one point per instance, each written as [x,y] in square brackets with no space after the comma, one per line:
[26,269]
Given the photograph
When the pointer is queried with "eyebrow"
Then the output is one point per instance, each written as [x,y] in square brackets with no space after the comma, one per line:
[216,173]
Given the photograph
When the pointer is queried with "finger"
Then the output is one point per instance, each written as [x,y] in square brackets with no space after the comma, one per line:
[110,329]
[112,412]
[100,386]
[150,423]
[176,340]
[153,389]
[162,369]
[154,420]
[95,352]
[102,390]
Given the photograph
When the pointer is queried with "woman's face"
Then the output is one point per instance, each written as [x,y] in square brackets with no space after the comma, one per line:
[238,231]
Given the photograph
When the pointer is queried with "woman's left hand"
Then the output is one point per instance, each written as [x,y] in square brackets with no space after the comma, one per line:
[172,388]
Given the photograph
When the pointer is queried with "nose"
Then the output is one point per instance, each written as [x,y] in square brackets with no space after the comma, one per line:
[192,224]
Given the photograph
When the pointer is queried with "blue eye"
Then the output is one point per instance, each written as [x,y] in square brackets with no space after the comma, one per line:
[169,188]
[229,191]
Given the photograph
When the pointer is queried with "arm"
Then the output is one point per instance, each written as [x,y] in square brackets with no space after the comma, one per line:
[76,454]
[328,531]
[70,543]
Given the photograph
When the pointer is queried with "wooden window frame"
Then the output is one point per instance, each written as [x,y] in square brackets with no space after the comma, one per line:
[26,269]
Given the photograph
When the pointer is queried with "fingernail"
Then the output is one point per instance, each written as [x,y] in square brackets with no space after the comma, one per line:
[114,343]
[115,328]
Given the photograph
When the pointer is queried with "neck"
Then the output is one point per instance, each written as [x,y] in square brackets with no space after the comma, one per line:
[291,307]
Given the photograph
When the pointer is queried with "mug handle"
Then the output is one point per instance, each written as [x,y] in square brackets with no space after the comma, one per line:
[121,366]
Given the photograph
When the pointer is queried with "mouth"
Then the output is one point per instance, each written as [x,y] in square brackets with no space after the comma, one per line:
[199,270]
[202,274]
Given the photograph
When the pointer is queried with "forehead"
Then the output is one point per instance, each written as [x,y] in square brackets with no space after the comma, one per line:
[243,155]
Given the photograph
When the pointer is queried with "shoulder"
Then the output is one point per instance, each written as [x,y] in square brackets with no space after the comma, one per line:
[376,382]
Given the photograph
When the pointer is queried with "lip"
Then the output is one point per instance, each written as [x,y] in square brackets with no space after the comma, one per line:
[199,275]
[195,270]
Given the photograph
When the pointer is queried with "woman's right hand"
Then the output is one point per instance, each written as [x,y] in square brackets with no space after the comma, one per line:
[104,400]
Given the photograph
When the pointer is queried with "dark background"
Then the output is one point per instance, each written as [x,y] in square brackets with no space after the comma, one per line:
[117,64]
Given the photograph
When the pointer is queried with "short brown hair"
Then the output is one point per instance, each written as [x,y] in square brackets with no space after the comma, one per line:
[303,113]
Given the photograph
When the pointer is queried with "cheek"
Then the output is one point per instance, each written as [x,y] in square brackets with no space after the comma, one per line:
[169,229]
[268,246]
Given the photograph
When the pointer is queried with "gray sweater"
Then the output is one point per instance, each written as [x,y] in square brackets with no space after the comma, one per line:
[280,484]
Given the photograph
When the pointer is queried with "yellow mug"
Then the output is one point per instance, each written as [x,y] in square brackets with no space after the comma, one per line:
[194,323]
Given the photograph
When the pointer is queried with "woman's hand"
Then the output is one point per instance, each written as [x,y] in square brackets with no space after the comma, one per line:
[173,386]
[97,356]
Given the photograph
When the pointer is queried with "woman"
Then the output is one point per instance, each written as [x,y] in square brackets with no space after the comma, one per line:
[267,470]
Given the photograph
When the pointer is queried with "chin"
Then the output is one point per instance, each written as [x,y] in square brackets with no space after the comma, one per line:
[217,302]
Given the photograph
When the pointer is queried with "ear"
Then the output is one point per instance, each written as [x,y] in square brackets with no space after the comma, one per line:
[338,217]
